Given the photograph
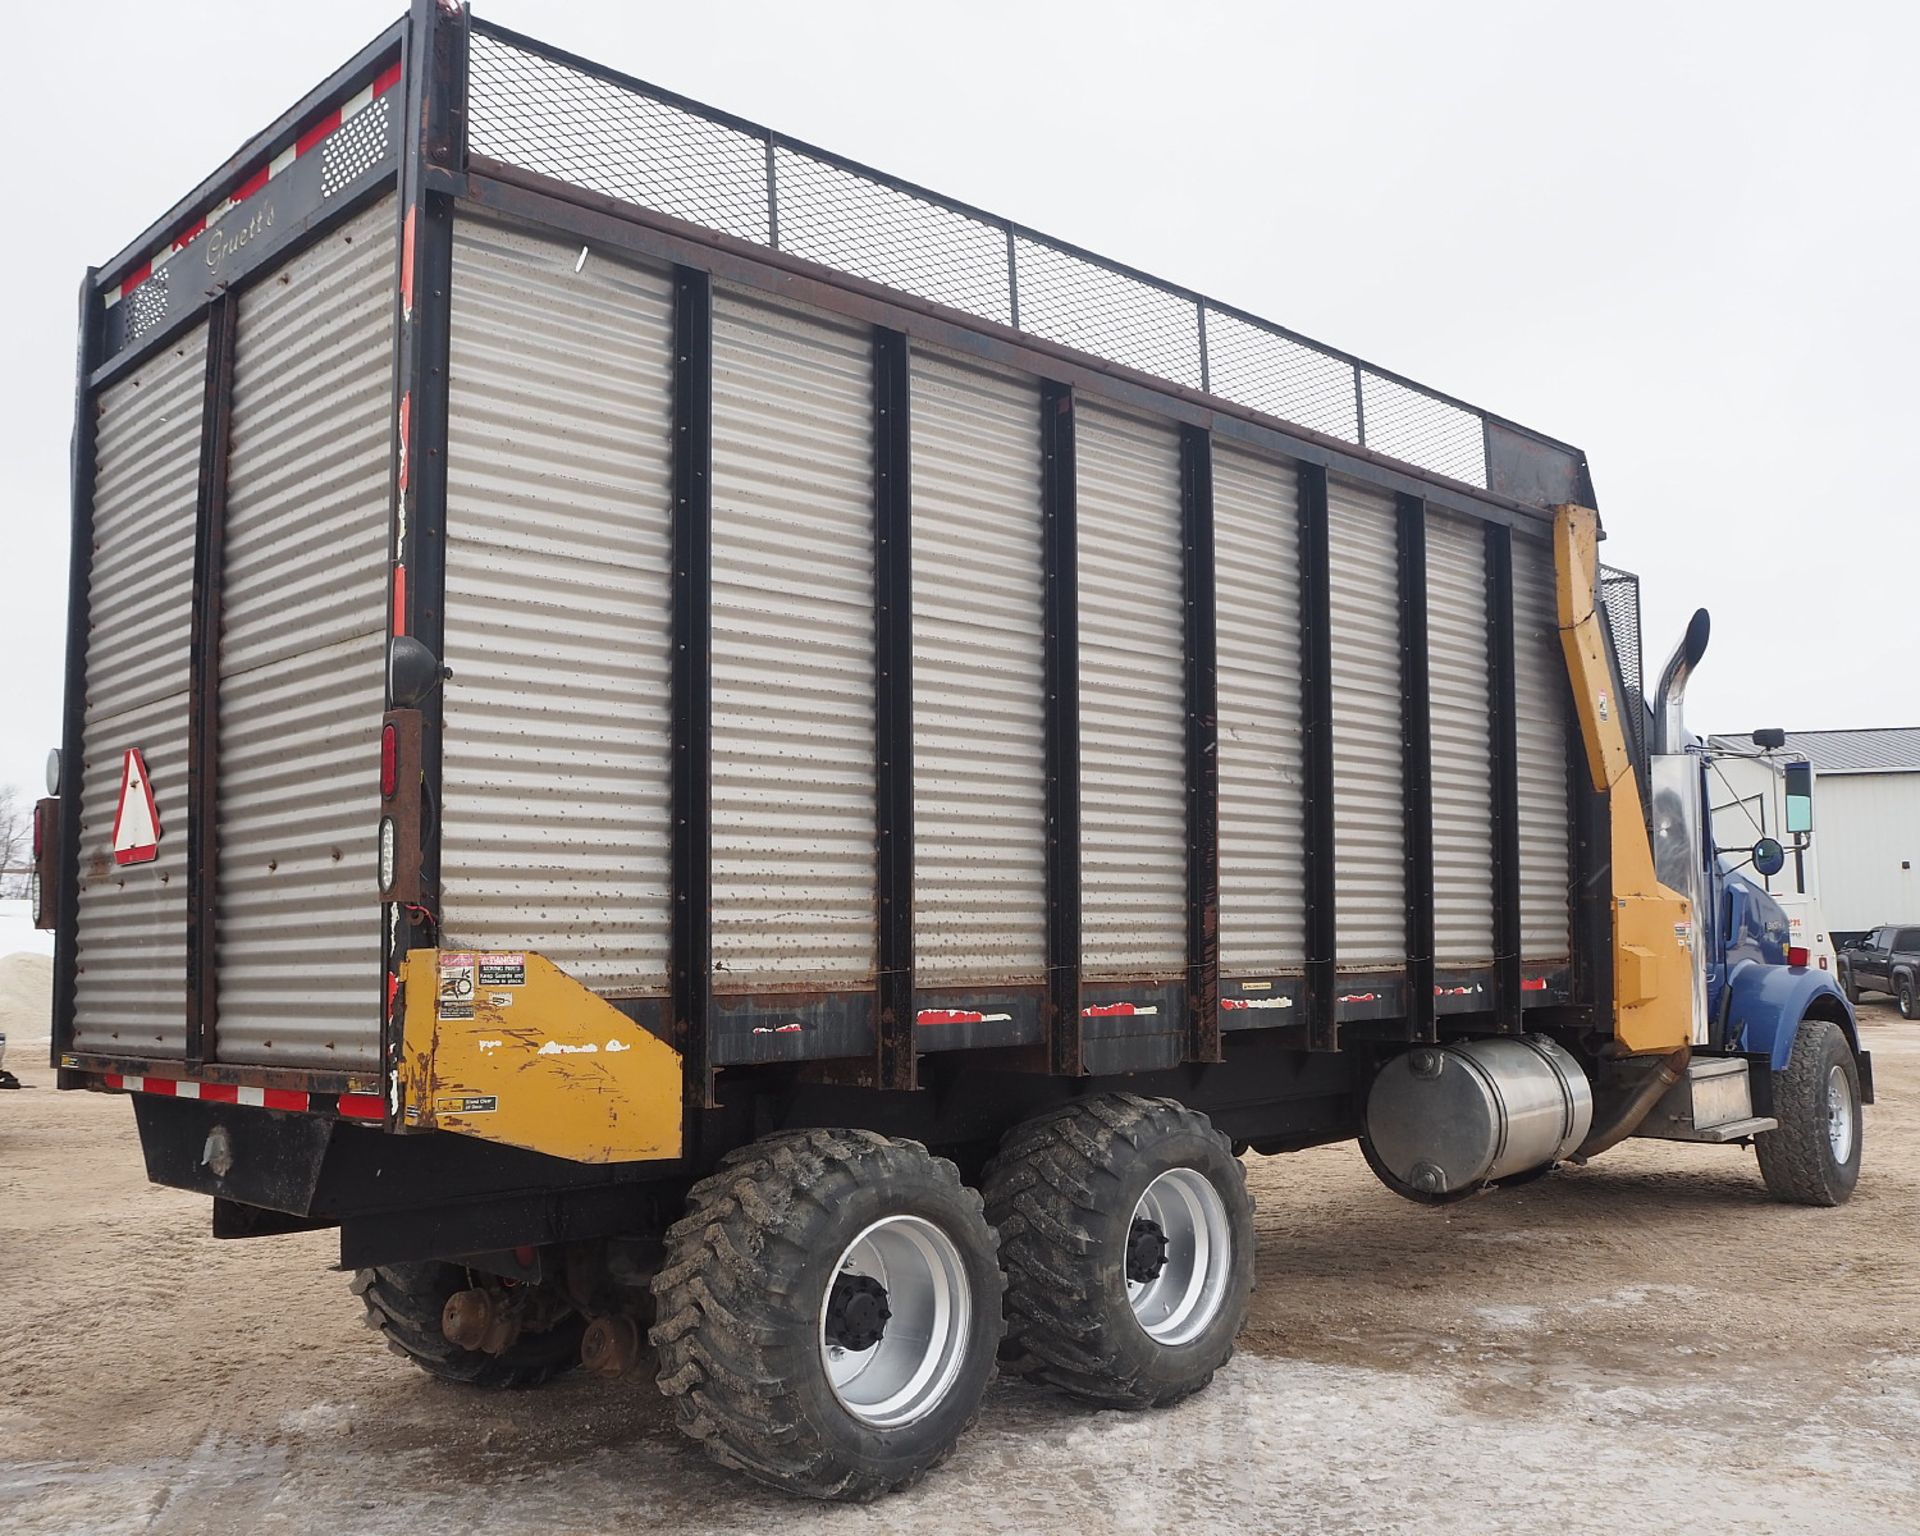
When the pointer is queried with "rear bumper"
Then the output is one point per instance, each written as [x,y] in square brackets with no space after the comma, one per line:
[394,1198]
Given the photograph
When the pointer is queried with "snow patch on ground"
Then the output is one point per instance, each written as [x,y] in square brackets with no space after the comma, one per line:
[1274,1446]
[1518,1319]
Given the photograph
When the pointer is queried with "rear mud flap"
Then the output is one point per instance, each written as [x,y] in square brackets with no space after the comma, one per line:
[255,1157]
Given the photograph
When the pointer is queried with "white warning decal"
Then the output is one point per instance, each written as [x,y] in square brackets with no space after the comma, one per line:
[456,986]
[136,825]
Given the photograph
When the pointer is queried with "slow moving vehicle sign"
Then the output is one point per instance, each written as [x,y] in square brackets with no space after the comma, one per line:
[136,825]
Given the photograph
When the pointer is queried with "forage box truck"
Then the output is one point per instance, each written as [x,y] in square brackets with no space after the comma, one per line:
[749,775]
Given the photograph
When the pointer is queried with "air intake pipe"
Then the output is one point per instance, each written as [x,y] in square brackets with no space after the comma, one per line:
[1669,726]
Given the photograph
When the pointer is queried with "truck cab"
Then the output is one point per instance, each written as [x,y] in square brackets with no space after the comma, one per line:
[1758,995]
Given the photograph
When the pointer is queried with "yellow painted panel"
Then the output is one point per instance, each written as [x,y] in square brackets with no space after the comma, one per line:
[507,1047]
[1652,924]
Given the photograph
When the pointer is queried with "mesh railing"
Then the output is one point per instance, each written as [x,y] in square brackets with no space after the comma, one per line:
[562,118]
[1620,605]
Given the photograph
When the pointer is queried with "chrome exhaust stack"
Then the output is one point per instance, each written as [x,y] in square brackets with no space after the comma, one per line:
[1669,725]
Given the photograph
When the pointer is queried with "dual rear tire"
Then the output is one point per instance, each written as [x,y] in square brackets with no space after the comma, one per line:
[829,1312]
[1126,1231]
[832,1305]
[406,1302]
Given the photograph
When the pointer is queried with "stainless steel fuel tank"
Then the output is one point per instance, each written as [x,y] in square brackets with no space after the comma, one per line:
[1443,1118]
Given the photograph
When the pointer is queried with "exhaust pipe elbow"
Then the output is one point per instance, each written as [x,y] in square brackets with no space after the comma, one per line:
[1669,725]
[1626,1115]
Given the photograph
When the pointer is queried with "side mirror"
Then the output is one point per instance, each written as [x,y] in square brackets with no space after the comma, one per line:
[1769,858]
[1799,797]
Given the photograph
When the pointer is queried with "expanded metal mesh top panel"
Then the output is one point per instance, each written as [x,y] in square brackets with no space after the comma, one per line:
[560,117]
[556,119]
[1620,605]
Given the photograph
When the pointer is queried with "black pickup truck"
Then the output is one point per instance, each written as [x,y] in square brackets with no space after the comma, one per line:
[1886,960]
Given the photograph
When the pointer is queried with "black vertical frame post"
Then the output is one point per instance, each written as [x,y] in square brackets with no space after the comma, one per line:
[691,684]
[1203,747]
[893,704]
[74,711]
[1416,763]
[1060,540]
[1316,721]
[203,680]
[1503,742]
[433,143]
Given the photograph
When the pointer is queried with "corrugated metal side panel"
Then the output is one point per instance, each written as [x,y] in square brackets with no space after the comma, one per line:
[131,989]
[302,648]
[1368,806]
[300,972]
[979,774]
[1540,694]
[1256,540]
[1462,726]
[306,482]
[793,728]
[559,547]
[1133,851]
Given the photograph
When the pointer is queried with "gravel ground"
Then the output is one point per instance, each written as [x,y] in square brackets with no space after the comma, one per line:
[1646,1344]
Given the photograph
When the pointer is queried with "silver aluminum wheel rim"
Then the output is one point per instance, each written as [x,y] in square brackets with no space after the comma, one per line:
[1181,1302]
[1839,1114]
[911,1370]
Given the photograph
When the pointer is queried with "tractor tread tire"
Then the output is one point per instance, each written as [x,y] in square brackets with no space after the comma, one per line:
[403,1304]
[1055,1180]
[1797,1159]
[737,1336]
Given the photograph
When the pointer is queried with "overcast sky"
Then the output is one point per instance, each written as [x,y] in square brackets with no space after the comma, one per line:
[1681,236]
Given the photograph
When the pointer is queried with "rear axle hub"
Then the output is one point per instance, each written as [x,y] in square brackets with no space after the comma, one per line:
[1146,1251]
[857,1313]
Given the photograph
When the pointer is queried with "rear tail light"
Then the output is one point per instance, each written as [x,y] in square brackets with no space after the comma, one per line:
[44,888]
[1796,956]
[400,806]
[389,760]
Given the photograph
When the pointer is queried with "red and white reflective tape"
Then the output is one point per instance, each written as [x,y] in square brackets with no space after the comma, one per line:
[310,136]
[931,1016]
[213,1093]
[356,1106]
[1235,1004]
[1120,1010]
[1534,984]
